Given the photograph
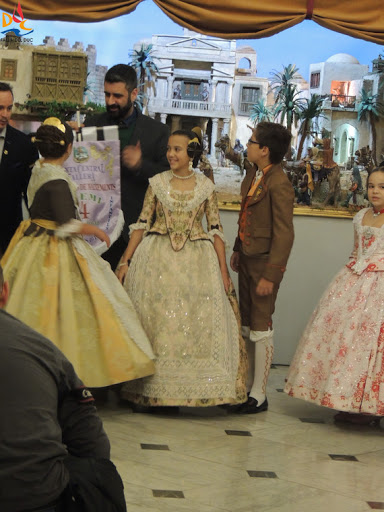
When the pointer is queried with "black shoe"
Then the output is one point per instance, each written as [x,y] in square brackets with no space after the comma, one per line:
[168,410]
[251,407]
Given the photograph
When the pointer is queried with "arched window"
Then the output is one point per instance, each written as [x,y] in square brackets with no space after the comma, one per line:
[244,63]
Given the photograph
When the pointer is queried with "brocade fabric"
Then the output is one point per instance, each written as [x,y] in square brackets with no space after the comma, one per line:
[339,362]
[63,290]
[175,283]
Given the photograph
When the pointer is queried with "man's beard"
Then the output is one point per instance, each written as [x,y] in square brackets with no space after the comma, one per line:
[119,112]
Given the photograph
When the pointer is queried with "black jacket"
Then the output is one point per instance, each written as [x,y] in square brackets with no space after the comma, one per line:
[153,137]
[19,155]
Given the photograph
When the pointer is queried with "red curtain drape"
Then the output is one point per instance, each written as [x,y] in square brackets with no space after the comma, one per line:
[238,19]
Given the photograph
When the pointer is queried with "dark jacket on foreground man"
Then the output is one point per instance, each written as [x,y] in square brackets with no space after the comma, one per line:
[52,443]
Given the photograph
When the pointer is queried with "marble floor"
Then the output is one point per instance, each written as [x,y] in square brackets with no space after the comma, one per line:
[292,458]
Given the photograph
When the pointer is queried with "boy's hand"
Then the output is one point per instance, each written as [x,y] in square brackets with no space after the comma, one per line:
[264,287]
[235,260]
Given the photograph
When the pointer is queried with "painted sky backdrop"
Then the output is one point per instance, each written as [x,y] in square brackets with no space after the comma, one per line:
[302,45]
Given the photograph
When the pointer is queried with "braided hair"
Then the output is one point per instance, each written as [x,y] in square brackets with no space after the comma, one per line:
[52,140]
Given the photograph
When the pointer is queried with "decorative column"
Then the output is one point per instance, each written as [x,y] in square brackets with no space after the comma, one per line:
[215,122]
[213,92]
[226,127]
[163,118]
[230,84]
[170,87]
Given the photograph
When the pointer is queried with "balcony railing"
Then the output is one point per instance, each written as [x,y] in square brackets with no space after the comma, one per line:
[340,100]
[176,106]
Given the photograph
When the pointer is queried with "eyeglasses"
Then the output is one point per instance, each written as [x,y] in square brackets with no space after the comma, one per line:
[250,141]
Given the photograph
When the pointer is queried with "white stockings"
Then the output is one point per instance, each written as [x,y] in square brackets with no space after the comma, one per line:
[259,362]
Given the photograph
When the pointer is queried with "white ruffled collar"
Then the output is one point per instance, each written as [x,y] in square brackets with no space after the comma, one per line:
[161,186]
[42,173]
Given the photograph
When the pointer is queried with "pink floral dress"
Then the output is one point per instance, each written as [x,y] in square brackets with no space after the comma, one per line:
[339,362]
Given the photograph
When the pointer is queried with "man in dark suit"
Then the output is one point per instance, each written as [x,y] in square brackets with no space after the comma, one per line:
[18,155]
[261,251]
[143,142]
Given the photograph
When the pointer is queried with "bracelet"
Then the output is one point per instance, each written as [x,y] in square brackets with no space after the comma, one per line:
[124,263]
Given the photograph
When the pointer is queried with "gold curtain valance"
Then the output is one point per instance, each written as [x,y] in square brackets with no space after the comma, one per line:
[237,19]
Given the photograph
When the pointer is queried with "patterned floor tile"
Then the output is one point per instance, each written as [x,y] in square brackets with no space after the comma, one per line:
[262,474]
[238,433]
[145,446]
[159,493]
[351,458]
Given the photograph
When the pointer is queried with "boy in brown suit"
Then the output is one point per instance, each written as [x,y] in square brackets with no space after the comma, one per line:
[261,251]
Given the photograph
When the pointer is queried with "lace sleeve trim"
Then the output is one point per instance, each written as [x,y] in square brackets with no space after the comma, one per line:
[138,225]
[219,233]
[69,228]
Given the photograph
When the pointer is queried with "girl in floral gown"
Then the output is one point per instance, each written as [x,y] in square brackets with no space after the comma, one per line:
[58,284]
[339,362]
[179,284]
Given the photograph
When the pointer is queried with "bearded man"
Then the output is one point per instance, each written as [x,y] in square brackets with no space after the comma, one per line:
[143,146]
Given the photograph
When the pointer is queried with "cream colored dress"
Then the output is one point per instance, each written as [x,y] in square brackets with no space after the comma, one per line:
[62,289]
[175,284]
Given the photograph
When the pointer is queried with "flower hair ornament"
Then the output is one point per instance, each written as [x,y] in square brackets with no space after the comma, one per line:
[52,121]
[195,140]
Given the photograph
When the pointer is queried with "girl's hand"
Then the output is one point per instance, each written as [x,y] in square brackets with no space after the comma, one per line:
[226,279]
[102,235]
[91,229]
[121,272]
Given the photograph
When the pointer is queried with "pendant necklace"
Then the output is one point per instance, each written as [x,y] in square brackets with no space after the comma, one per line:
[377,213]
[185,177]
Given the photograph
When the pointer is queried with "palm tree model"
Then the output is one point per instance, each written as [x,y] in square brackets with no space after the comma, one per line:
[287,97]
[370,109]
[142,61]
[309,113]
[261,112]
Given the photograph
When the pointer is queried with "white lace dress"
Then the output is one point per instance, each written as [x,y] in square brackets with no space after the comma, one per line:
[175,284]
[339,362]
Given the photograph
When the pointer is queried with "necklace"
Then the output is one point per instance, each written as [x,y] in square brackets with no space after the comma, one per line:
[377,213]
[183,177]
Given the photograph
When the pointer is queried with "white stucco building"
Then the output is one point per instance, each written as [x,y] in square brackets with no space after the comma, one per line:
[340,80]
[204,81]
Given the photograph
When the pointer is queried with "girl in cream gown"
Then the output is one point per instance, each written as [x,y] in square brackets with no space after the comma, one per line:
[179,284]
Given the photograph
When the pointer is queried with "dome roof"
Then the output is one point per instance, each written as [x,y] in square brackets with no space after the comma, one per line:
[344,58]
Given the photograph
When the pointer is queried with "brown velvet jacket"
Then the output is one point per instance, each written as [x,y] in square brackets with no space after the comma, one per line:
[269,221]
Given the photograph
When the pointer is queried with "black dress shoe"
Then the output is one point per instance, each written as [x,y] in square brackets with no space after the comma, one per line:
[251,406]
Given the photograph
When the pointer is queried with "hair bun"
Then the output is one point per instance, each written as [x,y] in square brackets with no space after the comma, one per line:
[54,121]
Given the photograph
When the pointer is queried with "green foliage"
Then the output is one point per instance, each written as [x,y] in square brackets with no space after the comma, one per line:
[310,112]
[260,112]
[370,109]
[287,96]
[142,61]
[369,106]
[63,110]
